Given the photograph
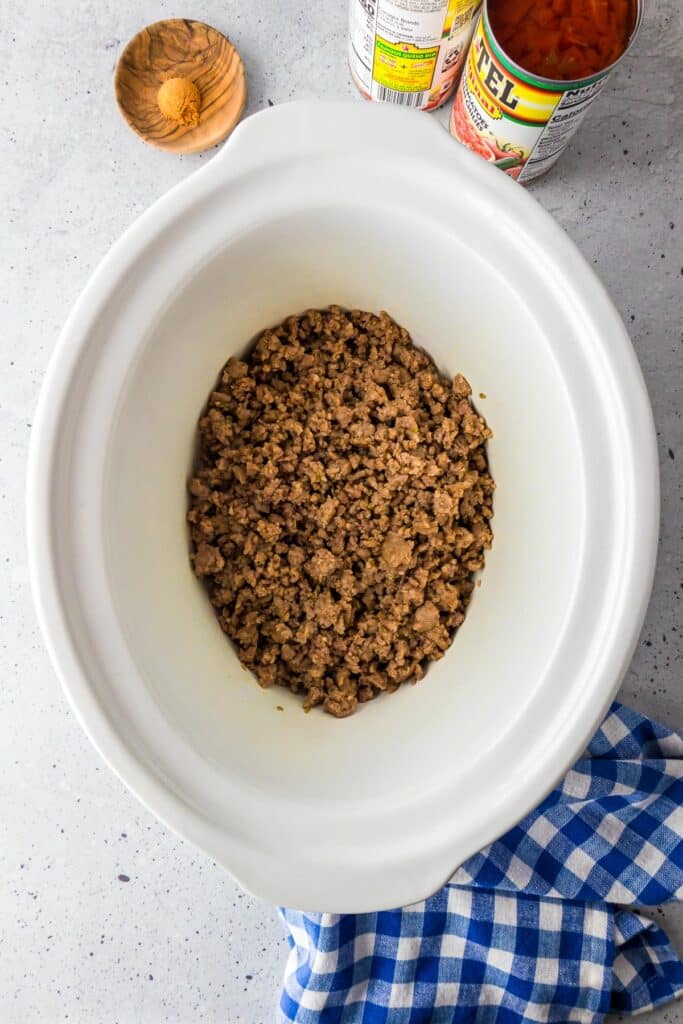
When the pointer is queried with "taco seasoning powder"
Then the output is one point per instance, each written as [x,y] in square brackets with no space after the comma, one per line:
[409,52]
[533,69]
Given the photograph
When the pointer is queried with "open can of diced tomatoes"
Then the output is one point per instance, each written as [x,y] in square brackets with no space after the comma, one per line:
[517,119]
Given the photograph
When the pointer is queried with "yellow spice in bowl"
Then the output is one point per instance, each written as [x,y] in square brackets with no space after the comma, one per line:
[179,101]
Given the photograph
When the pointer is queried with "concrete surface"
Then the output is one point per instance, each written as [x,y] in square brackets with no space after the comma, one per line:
[104,916]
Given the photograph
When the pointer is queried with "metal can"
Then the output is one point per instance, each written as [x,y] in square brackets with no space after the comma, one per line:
[409,52]
[514,119]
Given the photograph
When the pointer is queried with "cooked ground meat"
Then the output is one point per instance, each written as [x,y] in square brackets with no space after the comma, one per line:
[340,505]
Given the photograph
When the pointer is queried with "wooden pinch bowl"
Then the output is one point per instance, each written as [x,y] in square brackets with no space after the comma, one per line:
[181,48]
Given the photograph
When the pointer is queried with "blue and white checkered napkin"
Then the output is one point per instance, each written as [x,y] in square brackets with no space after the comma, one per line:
[537,927]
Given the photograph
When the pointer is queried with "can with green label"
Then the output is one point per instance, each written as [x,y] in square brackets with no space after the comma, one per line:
[514,119]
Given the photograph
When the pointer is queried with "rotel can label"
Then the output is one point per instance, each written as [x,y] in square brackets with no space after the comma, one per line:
[515,120]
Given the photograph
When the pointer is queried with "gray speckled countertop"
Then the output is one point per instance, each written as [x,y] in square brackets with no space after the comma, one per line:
[104,916]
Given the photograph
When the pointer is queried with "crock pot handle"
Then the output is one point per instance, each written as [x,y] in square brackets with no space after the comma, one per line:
[309,126]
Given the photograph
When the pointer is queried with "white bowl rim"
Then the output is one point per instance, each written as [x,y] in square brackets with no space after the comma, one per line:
[250,144]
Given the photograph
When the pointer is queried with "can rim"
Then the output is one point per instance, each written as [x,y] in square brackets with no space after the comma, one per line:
[554,84]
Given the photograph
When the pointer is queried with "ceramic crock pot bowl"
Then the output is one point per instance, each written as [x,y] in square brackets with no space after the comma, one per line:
[371,207]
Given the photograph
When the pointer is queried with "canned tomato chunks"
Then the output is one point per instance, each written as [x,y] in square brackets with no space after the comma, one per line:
[507,108]
[409,52]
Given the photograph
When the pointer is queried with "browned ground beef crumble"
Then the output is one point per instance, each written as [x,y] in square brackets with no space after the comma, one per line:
[340,504]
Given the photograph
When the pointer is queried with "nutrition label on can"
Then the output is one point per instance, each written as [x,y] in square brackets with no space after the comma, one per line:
[409,51]
[564,121]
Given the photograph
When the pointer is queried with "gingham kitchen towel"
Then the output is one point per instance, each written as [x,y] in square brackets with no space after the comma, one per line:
[540,926]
